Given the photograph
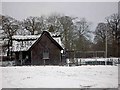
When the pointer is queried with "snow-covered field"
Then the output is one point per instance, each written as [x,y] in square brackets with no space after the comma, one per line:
[60,77]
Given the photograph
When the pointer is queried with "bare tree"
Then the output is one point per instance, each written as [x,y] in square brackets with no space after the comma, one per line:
[9,27]
[68,31]
[34,25]
[22,30]
[53,20]
[100,31]
[113,22]
[83,32]
[82,27]
[100,36]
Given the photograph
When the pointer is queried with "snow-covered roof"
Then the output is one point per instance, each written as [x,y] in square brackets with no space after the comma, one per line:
[23,43]
[54,34]
[58,40]
[20,37]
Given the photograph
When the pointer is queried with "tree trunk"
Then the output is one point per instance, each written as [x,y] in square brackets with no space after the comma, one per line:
[8,47]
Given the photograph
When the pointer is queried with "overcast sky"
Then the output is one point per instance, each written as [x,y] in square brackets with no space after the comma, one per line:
[94,12]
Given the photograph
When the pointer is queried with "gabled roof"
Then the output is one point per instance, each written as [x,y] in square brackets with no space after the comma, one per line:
[50,37]
[25,43]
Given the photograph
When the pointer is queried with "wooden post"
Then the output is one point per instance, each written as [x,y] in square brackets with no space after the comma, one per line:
[20,57]
[105,61]
[106,49]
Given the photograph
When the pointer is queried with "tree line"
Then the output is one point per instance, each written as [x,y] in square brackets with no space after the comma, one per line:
[75,32]
[108,33]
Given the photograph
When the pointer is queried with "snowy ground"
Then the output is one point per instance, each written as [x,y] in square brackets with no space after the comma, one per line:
[60,77]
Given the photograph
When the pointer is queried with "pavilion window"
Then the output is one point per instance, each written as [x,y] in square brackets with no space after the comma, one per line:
[46,54]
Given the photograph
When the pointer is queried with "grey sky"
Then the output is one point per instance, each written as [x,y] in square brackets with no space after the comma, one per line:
[94,12]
